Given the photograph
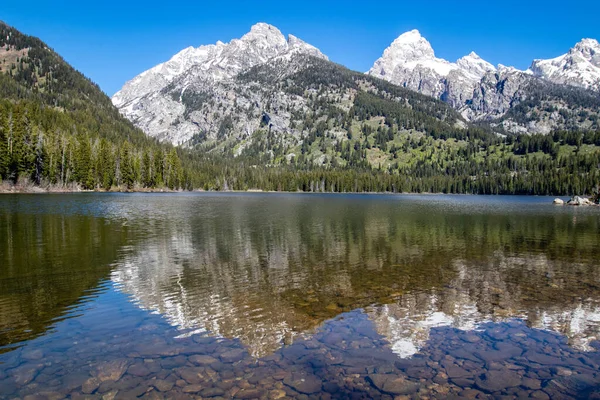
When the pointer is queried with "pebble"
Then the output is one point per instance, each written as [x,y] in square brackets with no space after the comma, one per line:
[532,384]
[90,385]
[111,370]
[24,374]
[212,392]
[232,356]
[138,370]
[276,394]
[303,383]
[248,394]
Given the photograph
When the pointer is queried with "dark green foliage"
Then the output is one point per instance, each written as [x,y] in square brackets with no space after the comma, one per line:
[575,105]
[57,127]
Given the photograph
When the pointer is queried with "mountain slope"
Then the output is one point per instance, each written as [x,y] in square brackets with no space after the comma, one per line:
[483,93]
[58,128]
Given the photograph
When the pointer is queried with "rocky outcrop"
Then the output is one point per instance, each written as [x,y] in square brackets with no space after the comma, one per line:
[580,201]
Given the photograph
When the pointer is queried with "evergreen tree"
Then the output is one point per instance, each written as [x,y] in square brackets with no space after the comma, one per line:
[4,134]
[126,166]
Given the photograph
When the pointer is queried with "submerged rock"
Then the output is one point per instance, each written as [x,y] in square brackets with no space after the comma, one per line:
[496,380]
[111,370]
[202,359]
[559,201]
[304,383]
[392,384]
[24,374]
[163,385]
[233,355]
[90,385]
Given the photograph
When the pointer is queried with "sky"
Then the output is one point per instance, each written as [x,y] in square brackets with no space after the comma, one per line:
[113,41]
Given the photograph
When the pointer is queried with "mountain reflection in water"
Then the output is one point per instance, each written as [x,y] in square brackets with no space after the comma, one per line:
[269,270]
[297,296]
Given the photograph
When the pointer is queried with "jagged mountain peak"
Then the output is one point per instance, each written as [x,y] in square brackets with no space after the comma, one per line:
[587,46]
[410,36]
[154,100]
[264,33]
[410,61]
[263,27]
[410,46]
[473,56]
[579,67]
[475,65]
[216,62]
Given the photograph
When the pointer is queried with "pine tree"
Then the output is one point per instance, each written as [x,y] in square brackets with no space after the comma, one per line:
[158,159]
[4,133]
[173,173]
[83,167]
[106,165]
[126,164]
[147,170]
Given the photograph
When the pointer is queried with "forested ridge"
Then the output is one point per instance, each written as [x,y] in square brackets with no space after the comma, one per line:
[360,134]
[58,128]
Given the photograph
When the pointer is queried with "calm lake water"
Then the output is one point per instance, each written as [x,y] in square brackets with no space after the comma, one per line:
[298,296]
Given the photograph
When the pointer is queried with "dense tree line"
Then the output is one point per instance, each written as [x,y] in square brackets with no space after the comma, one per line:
[57,127]
[45,146]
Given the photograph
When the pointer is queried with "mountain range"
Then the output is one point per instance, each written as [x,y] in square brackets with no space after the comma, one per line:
[480,91]
[198,93]
[271,112]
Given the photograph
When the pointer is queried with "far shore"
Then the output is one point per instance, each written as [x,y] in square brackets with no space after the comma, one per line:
[6,188]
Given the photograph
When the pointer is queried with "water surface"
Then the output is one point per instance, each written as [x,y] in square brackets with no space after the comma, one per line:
[283,295]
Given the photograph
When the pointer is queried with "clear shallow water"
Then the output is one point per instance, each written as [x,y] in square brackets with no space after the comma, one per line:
[319,296]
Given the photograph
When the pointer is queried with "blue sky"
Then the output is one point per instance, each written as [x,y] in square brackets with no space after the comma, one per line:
[112,41]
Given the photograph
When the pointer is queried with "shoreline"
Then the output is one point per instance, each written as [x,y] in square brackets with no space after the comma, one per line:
[9,188]
[74,190]
[28,188]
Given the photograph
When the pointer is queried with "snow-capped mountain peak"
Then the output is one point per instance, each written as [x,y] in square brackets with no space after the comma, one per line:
[148,99]
[475,65]
[409,46]
[411,62]
[589,48]
[218,61]
[579,67]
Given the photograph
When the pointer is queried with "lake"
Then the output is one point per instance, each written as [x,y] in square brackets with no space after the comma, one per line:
[207,295]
